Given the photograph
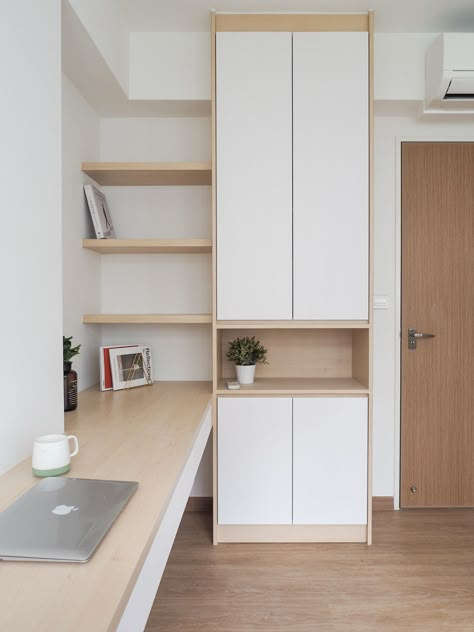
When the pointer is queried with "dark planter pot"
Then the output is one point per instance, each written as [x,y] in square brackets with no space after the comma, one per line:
[70,387]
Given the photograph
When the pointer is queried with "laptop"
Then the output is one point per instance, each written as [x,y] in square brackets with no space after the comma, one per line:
[61,519]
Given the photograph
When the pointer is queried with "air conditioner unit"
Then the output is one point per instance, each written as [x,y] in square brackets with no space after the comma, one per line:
[449,72]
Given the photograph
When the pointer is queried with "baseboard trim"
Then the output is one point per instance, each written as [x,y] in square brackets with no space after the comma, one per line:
[383,503]
[199,503]
[291,533]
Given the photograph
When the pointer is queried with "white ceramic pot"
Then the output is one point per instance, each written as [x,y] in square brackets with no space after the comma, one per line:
[245,374]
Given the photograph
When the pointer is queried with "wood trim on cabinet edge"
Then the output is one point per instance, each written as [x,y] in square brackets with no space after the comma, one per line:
[214,276]
[291,533]
[383,503]
[371,274]
[292,324]
[288,22]
[215,472]
[213,201]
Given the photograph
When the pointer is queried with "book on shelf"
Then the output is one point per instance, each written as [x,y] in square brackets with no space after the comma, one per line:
[99,211]
[131,367]
[105,369]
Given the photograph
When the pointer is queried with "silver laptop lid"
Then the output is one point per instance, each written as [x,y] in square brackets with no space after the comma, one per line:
[61,519]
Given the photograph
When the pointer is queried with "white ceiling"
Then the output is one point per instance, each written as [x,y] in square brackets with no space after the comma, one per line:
[393,16]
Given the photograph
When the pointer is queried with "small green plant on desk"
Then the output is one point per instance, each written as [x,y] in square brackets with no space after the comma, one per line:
[68,350]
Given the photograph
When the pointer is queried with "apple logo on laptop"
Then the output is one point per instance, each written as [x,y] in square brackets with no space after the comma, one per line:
[63,510]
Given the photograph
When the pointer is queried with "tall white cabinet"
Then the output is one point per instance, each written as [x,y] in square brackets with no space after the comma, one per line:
[292,225]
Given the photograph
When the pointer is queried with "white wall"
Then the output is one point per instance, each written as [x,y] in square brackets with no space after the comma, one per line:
[81,268]
[386,323]
[160,283]
[399,65]
[170,66]
[148,139]
[31,389]
[103,21]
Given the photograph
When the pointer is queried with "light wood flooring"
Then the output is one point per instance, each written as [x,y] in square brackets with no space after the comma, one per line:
[417,577]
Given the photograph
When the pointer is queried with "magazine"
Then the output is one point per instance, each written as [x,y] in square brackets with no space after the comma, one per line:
[104,365]
[99,211]
[131,367]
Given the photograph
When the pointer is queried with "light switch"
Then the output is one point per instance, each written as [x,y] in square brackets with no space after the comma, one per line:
[380,302]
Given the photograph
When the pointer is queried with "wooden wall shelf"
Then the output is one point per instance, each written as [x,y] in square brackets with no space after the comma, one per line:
[148,319]
[148,246]
[149,173]
[297,386]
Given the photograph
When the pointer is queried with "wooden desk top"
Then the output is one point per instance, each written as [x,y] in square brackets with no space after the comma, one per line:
[145,435]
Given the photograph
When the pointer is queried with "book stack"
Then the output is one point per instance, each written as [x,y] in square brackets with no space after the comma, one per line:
[125,366]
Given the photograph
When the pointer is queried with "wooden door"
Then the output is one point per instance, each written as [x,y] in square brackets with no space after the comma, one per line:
[437,448]
[254,171]
[330,176]
[330,460]
[255,461]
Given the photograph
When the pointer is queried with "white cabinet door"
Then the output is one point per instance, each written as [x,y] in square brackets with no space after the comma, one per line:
[331,166]
[330,460]
[254,172]
[254,460]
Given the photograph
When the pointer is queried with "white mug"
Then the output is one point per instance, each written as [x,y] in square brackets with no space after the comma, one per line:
[52,455]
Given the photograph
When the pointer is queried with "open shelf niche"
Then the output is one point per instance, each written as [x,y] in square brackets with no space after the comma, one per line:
[301,362]
[148,174]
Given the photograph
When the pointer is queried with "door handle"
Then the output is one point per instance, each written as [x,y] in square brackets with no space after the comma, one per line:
[413,335]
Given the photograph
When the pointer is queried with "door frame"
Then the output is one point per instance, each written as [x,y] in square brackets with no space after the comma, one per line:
[398,287]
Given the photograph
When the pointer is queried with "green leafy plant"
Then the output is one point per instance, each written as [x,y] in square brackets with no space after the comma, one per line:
[246,352]
[68,350]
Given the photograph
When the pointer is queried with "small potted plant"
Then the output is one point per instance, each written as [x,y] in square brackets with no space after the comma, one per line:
[70,376]
[245,353]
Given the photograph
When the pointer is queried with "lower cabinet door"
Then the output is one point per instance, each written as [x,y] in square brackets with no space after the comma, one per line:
[330,460]
[254,438]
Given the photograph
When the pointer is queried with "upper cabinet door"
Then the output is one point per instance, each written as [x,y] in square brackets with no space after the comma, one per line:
[331,175]
[254,176]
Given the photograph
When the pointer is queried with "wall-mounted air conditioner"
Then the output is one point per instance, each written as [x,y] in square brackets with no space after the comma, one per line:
[450,73]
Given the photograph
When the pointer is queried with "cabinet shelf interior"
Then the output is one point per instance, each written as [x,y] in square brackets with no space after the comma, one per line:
[309,359]
[297,386]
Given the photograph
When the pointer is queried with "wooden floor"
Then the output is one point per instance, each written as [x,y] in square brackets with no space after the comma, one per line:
[417,577]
